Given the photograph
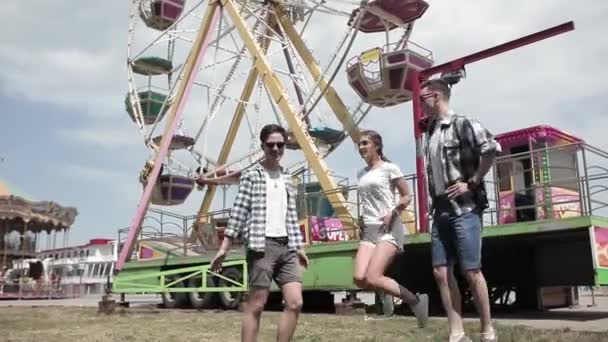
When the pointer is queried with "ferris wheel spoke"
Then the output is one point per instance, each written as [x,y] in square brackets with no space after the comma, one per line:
[219,97]
[230,173]
[228,30]
[320,6]
[201,159]
[256,106]
[323,85]
[165,105]
[270,31]
[321,80]
[234,57]
[273,106]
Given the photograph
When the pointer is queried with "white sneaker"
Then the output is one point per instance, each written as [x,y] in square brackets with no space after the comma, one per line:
[460,338]
[421,310]
[489,336]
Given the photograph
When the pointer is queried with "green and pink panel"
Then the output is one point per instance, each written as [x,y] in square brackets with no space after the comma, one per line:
[600,253]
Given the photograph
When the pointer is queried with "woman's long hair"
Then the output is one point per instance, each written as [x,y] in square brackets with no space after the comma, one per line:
[376,138]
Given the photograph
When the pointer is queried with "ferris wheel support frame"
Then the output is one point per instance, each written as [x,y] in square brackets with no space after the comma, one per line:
[297,126]
[331,96]
[456,65]
[234,126]
[191,67]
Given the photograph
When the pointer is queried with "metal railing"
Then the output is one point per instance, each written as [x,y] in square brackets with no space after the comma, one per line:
[544,183]
[177,235]
[563,181]
[550,183]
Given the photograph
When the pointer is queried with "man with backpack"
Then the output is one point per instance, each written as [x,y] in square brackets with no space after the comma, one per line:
[459,152]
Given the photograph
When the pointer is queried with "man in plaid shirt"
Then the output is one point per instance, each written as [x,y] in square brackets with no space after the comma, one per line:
[264,216]
[459,153]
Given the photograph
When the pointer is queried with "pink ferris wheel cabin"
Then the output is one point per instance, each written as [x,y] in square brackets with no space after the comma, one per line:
[161,14]
[383,15]
[537,175]
[384,76]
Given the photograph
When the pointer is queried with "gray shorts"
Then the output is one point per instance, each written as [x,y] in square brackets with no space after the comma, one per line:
[276,263]
[376,233]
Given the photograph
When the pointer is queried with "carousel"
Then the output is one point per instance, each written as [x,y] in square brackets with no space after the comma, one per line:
[23,223]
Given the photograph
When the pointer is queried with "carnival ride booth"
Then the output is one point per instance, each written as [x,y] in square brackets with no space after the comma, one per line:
[22,275]
[318,221]
[537,175]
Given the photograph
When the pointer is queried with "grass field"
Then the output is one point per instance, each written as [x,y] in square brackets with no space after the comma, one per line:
[56,324]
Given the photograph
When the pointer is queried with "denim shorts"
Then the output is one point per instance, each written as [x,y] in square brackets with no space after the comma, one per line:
[456,239]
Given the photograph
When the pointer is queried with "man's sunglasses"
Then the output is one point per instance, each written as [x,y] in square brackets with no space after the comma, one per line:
[273,144]
[427,96]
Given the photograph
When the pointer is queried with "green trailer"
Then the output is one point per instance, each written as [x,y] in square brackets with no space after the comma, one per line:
[524,259]
[536,251]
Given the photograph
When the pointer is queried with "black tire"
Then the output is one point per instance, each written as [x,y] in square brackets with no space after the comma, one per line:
[202,300]
[230,300]
[175,300]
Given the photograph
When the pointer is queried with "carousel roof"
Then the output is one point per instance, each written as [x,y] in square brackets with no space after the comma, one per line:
[39,215]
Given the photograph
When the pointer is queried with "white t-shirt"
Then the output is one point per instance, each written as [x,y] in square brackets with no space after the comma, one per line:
[376,191]
[276,204]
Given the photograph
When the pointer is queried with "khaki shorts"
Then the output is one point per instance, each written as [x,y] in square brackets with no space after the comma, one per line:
[276,263]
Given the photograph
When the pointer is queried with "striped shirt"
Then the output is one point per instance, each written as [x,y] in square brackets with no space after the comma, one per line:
[446,142]
[247,219]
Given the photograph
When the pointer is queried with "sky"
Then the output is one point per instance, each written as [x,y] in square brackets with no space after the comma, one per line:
[65,136]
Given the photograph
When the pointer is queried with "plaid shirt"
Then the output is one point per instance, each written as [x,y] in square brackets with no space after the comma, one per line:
[248,214]
[461,142]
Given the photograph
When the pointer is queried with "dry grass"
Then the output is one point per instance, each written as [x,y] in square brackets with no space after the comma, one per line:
[55,324]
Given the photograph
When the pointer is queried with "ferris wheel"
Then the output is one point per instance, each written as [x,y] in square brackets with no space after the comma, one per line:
[204,77]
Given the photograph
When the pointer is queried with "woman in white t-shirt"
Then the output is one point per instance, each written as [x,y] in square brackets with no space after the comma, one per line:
[382,232]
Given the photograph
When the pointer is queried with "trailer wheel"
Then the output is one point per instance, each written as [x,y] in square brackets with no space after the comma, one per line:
[175,300]
[202,300]
[230,300]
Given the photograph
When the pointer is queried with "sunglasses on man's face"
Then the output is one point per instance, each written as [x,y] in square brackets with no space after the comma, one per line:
[426,96]
[271,145]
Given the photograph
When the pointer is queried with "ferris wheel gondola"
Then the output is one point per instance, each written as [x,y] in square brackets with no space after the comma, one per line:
[383,76]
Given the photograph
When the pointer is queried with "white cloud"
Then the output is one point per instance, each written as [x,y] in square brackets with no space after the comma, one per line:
[104,136]
[74,78]
[122,184]
[529,85]
[65,55]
